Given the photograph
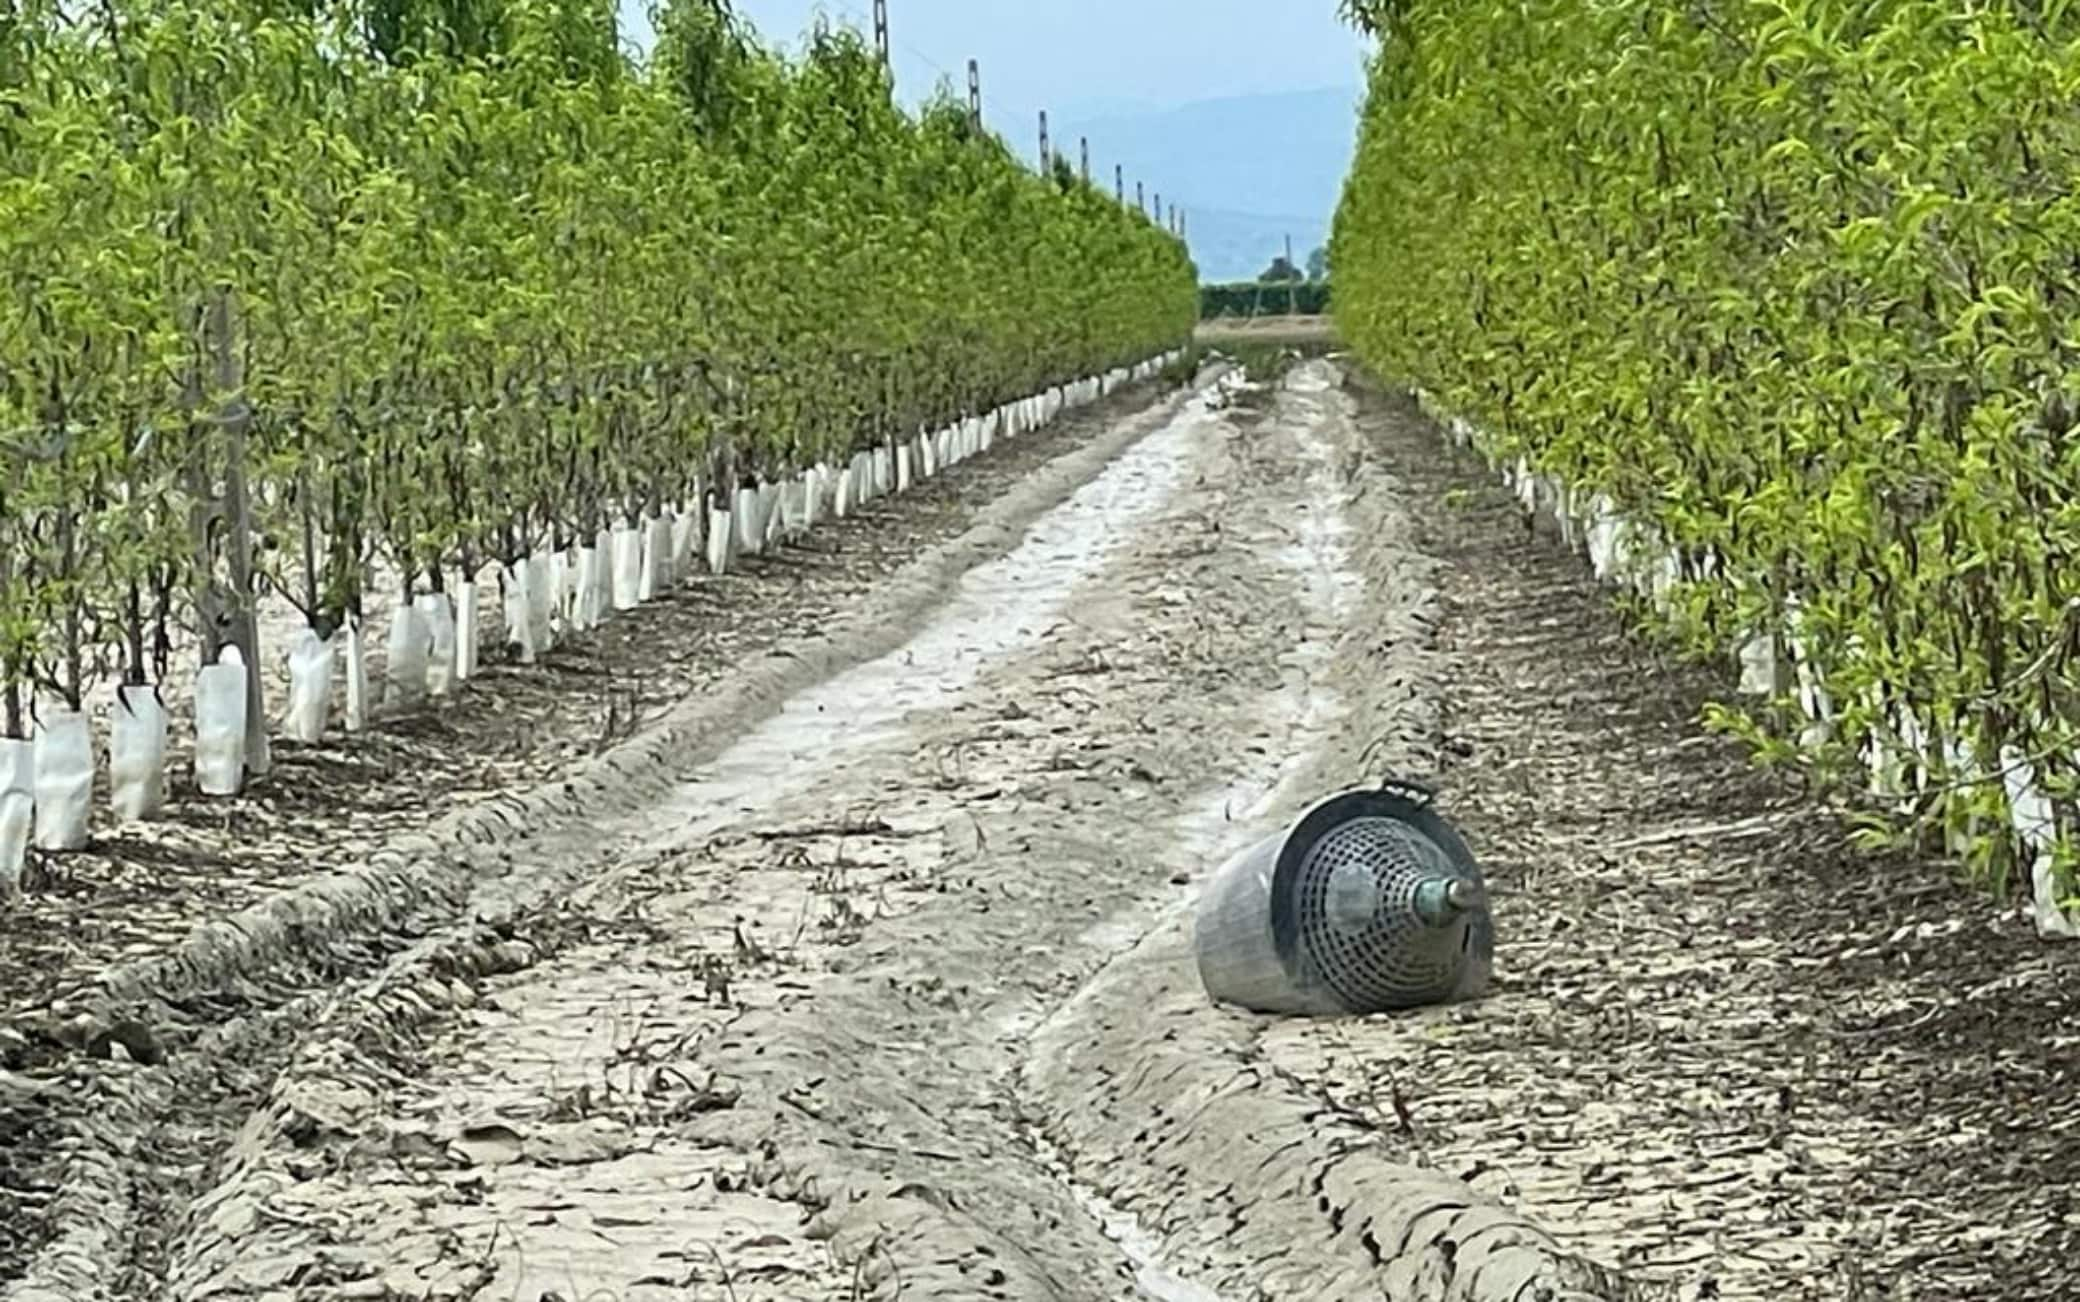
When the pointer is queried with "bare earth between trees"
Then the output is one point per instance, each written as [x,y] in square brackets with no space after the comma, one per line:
[892,995]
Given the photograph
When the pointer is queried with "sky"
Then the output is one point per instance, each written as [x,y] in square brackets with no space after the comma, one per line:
[1085,58]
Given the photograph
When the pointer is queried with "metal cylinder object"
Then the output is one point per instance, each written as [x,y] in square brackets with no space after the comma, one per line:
[1370,902]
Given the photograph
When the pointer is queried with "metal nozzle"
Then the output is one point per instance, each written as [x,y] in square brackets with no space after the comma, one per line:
[1441,900]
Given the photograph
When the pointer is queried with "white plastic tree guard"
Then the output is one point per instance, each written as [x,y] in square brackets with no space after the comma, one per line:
[409,648]
[17,810]
[722,539]
[220,725]
[437,615]
[751,533]
[628,567]
[137,733]
[64,779]
[467,639]
[311,661]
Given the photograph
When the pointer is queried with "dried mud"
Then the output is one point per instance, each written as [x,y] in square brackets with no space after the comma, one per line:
[1724,1045]
[891,995]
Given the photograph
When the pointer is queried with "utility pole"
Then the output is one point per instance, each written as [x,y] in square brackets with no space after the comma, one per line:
[1139,201]
[1085,142]
[975,96]
[1044,155]
[1119,183]
[881,33]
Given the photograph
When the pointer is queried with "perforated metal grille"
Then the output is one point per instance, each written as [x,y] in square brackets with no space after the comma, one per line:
[1358,922]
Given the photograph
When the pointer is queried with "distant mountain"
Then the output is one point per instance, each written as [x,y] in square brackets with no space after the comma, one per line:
[1248,170]
[1100,108]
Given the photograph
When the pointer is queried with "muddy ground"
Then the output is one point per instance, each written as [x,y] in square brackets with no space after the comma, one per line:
[891,994]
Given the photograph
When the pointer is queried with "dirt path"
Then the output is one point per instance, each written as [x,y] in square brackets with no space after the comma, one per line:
[893,997]
[893,880]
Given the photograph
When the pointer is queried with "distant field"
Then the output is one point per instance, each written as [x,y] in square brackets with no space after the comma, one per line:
[1269,329]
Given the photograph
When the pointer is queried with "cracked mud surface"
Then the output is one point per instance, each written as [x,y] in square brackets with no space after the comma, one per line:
[893,997]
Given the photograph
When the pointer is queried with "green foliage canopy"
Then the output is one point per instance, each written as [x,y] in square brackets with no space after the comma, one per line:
[1254,298]
[453,279]
[1792,283]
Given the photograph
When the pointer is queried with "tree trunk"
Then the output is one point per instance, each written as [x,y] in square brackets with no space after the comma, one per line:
[133,635]
[72,682]
[225,608]
[11,720]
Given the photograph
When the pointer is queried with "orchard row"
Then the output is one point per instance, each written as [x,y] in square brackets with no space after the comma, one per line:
[1795,358]
[307,295]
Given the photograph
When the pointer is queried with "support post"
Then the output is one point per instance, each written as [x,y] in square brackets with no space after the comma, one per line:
[881,33]
[975,95]
[1045,158]
[224,600]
